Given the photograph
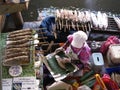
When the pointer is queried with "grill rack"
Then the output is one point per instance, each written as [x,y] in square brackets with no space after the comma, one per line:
[112,25]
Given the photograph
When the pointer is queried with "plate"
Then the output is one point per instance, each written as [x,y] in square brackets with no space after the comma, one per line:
[15,70]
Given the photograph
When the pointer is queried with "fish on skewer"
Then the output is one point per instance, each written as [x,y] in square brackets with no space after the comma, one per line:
[29,37]
[62,17]
[76,19]
[66,18]
[19,34]
[79,17]
[22,41]
[26,30]
[14,54]
[57,19]
[88,20]
[88,14]
[117,20]
[94,20]
[70,19]
[19,38]
[18,60]
[24,33]
[83,20]
[73,20]
[100,20]
[9,50]
[27,44]
[105,21]
[20,31]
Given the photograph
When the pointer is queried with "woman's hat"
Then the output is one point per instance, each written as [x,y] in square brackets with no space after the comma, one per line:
[79,38]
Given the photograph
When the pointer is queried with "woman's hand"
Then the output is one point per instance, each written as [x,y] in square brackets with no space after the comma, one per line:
[59,49]
[62,61]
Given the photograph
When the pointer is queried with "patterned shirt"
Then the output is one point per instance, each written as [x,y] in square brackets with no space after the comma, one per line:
[85,51]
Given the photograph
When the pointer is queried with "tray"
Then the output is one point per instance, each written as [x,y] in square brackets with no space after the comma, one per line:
[28,70]
[56,71]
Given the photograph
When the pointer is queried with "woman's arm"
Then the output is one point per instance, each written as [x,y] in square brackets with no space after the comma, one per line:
[68,42]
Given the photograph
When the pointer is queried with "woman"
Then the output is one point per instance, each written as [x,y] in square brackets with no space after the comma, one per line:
[77,49]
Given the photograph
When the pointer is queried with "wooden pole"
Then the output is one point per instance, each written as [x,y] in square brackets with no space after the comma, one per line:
[2,22]
[18,19]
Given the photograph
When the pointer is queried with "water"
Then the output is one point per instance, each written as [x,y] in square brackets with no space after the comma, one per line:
[105,5]
[112,6]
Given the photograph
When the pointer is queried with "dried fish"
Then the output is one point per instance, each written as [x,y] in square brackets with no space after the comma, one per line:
[11,55]
[19,34]
[22,41]
[23,49]
[19,38]
[20,31]
[27,44]
[21,60]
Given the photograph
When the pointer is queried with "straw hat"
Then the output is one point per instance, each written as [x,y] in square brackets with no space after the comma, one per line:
[79,38]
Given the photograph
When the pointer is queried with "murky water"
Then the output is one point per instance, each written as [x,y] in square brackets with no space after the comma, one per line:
[112,6]
[106,5]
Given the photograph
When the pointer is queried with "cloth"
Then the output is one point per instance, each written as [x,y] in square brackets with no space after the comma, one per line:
[110,40]
[79,38]
[32,25]
[47,24]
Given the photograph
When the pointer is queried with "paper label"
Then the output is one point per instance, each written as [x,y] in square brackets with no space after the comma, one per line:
[6,84]
[25,83]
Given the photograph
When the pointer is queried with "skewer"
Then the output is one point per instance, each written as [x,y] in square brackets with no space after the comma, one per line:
[60,24]
[50,45]
[57,23]
[77,25]
[100,81]
[85,28]
[64,25]
[74,25]
[54,30]
[69,25]
[57,19]
[89,26]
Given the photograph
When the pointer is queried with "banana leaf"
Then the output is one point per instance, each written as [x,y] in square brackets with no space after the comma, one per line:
[58,72]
